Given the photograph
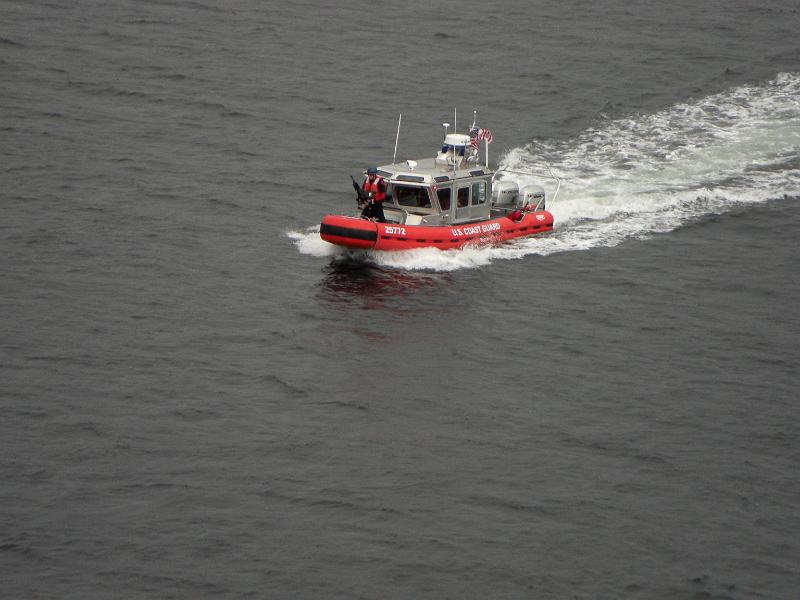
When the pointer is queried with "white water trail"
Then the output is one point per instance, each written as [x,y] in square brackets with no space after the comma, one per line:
[642,175]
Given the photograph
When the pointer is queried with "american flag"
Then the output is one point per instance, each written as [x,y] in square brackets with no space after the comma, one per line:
[476,135]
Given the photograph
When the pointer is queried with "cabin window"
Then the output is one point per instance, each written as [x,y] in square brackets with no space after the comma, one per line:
[414,197]
[463,197]
[444,198]
[478,193]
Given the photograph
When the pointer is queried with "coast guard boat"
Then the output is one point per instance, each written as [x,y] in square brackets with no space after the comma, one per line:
[447,201]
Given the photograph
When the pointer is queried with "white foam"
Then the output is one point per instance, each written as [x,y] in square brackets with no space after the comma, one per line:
[309,242]
[635,177]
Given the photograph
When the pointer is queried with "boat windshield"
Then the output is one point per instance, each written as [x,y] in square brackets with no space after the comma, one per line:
[412,196]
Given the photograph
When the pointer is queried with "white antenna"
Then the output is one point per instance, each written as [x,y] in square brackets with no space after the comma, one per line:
[471,129]
[397,139]
[455,130]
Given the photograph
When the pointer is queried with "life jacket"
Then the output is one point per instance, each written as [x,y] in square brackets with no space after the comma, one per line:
[378,187]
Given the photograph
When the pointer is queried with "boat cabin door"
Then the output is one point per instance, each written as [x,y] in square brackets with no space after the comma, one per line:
[471,200]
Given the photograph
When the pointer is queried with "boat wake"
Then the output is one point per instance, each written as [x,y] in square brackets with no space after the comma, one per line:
[643,175]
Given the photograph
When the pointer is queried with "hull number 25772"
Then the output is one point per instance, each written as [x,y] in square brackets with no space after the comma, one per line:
[395,230]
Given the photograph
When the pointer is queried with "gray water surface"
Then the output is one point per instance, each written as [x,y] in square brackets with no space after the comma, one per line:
[200,399]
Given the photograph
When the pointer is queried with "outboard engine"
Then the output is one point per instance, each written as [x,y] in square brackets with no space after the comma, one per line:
[504,194]
[532,195]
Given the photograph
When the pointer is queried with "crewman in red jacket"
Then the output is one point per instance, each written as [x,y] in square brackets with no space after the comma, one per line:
[376,188]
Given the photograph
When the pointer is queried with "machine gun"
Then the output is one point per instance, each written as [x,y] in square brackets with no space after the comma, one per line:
[362,196]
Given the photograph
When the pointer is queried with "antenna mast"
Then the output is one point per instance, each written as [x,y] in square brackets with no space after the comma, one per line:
[397,139]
